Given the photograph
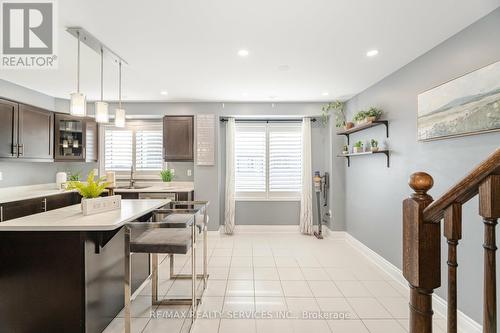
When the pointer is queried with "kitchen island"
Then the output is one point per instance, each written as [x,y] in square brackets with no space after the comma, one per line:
[61,271]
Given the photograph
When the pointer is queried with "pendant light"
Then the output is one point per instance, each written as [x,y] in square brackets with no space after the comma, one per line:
[101,107]
[120,113]
[78,102]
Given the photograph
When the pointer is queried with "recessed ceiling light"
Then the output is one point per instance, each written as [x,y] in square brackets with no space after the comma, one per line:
[325,93]
[245,94]
[371,53]
[243,53]
[283,68]
[164,93]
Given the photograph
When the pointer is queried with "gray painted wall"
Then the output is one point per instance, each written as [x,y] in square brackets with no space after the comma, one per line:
[374,193]
[208,179]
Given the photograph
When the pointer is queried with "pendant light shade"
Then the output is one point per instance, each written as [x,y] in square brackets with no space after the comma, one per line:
[78,102]
[101,112]
[120,118]
[101,107]
[120,112]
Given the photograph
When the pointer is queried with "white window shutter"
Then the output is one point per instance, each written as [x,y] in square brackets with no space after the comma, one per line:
[250,158]
[148,150]
[285,163]
[118,149]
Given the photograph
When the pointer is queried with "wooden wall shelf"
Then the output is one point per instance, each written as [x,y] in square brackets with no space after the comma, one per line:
[364,127]
[386,152]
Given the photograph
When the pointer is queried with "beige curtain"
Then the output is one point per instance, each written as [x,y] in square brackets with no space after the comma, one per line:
[306,212]
[229,191]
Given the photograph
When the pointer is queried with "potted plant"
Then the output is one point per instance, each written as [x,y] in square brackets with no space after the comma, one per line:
[167,175]
[345,150]
[374,145]
[90,191]
[358,147]
[360,117]
[337,107]
[373,114]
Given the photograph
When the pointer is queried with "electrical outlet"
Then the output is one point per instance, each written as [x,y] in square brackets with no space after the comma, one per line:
[189,173]
[1,176]
[96,172]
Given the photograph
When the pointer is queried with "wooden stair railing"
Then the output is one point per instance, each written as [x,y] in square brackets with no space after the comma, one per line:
[422,246]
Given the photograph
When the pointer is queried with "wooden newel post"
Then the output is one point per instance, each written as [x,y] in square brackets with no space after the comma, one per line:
[421,253]
[489,209]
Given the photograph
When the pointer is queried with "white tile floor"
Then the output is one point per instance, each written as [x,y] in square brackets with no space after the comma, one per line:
[279,274]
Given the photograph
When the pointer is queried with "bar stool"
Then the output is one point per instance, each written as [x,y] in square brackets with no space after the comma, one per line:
[171,217]
[160,237]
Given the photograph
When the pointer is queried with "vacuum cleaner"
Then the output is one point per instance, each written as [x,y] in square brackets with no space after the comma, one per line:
[321,186]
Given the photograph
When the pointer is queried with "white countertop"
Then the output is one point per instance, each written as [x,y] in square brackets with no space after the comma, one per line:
[16,193]
[71,218]
[157,187]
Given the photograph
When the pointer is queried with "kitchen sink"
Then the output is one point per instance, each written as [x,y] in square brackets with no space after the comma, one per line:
[135,187]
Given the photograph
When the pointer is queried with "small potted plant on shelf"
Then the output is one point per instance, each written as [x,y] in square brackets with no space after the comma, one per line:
[373,114]
[167,175]
[92,202]
[358,147]
[360,117]
[337,107]
[345,150]
[374,145]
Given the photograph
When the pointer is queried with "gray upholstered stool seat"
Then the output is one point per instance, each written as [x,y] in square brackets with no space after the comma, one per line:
[162,240]
[183,220]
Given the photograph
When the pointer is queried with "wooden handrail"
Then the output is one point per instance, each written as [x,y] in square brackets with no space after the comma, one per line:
[465,189]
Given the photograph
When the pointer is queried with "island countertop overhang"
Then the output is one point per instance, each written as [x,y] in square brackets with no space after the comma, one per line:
[71,218]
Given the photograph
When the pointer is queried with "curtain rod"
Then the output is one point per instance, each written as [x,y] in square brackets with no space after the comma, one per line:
[267,120]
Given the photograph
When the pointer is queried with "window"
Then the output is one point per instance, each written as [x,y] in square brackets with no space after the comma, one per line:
[268,158]
[139,144]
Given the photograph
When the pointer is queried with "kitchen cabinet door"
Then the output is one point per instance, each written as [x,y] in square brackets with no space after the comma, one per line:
[36,133]
[8,129]
[16,209]
[178,138]
[91,142]
[70,138]
[61,200]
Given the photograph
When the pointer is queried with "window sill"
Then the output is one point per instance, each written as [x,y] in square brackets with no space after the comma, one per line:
[267,199]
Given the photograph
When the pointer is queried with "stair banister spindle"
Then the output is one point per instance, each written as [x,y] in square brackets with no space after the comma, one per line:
[453,233]
[421,253]
[489,209]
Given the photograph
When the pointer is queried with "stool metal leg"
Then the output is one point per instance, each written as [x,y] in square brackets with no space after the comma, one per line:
[172,275]
[154,278]
[128,278]
[193,271]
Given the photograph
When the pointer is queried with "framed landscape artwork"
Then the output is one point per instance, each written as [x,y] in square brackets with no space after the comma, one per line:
[467,105]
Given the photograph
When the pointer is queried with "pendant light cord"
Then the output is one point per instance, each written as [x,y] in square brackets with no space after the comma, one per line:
[78,64]
[102,74]
[120,85]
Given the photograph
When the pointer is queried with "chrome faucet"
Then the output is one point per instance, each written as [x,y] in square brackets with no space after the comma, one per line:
[132,180]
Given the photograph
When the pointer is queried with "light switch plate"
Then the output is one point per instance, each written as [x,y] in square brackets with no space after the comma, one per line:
[189,172]
[96,172]
[1,176]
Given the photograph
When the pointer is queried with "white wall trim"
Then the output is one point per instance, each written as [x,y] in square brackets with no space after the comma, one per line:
[465,323]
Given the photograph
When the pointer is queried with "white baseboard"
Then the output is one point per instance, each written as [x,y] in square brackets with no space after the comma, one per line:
[266,228]
[465,323]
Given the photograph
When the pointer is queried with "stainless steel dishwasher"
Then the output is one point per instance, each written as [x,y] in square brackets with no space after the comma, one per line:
[159,195]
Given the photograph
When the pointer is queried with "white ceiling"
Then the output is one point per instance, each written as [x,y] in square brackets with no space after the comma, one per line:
[189,47]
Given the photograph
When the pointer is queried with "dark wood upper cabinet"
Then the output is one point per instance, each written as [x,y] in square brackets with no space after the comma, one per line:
[8,129]
[26,132]
[178,138]
[75,138]
[36,133]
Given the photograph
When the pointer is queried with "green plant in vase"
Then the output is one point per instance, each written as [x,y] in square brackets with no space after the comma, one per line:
[345,150]
[373,114]
[358,147]
[360,117]
[91,189]
[374,145]
[337,107]
[167,175]
[74,176]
